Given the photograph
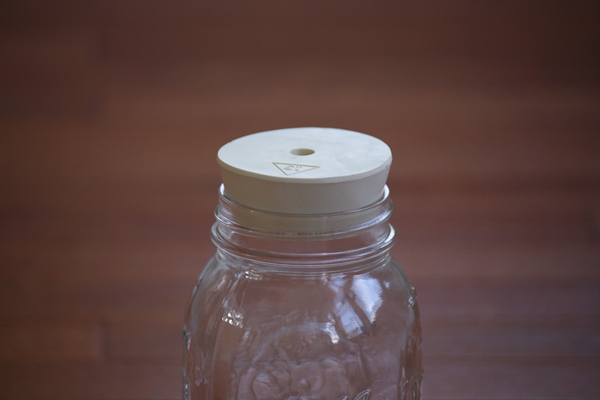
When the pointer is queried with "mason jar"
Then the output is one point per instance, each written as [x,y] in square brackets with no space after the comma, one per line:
[302,299]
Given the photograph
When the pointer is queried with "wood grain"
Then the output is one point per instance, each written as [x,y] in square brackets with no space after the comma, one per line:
[111,115]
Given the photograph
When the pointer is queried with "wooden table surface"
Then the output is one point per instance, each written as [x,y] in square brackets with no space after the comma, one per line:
[111,114]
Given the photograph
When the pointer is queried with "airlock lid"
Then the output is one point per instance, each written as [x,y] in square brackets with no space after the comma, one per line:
[305,170]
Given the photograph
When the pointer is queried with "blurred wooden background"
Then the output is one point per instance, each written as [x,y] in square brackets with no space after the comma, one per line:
[111,114]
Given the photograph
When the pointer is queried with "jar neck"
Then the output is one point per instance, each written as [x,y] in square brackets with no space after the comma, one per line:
[301,239]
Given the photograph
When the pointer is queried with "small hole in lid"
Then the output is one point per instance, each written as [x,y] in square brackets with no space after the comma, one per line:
[302,152]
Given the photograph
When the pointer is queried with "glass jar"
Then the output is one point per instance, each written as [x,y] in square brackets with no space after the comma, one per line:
[302,306]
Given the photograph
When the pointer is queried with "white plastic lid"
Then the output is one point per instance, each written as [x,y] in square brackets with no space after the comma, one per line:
[305,170]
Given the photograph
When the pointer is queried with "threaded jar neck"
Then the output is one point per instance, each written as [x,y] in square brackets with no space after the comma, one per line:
[303,239]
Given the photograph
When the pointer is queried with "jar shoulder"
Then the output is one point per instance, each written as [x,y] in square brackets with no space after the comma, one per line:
[369,287]
[347,303]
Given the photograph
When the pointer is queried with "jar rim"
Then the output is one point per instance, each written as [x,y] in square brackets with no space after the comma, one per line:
[302,239]
[231,213]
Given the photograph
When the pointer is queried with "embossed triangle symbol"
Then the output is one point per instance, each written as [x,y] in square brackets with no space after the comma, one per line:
[291,169]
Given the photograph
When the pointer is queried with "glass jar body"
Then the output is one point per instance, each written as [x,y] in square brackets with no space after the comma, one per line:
[348,331]
[302,307]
